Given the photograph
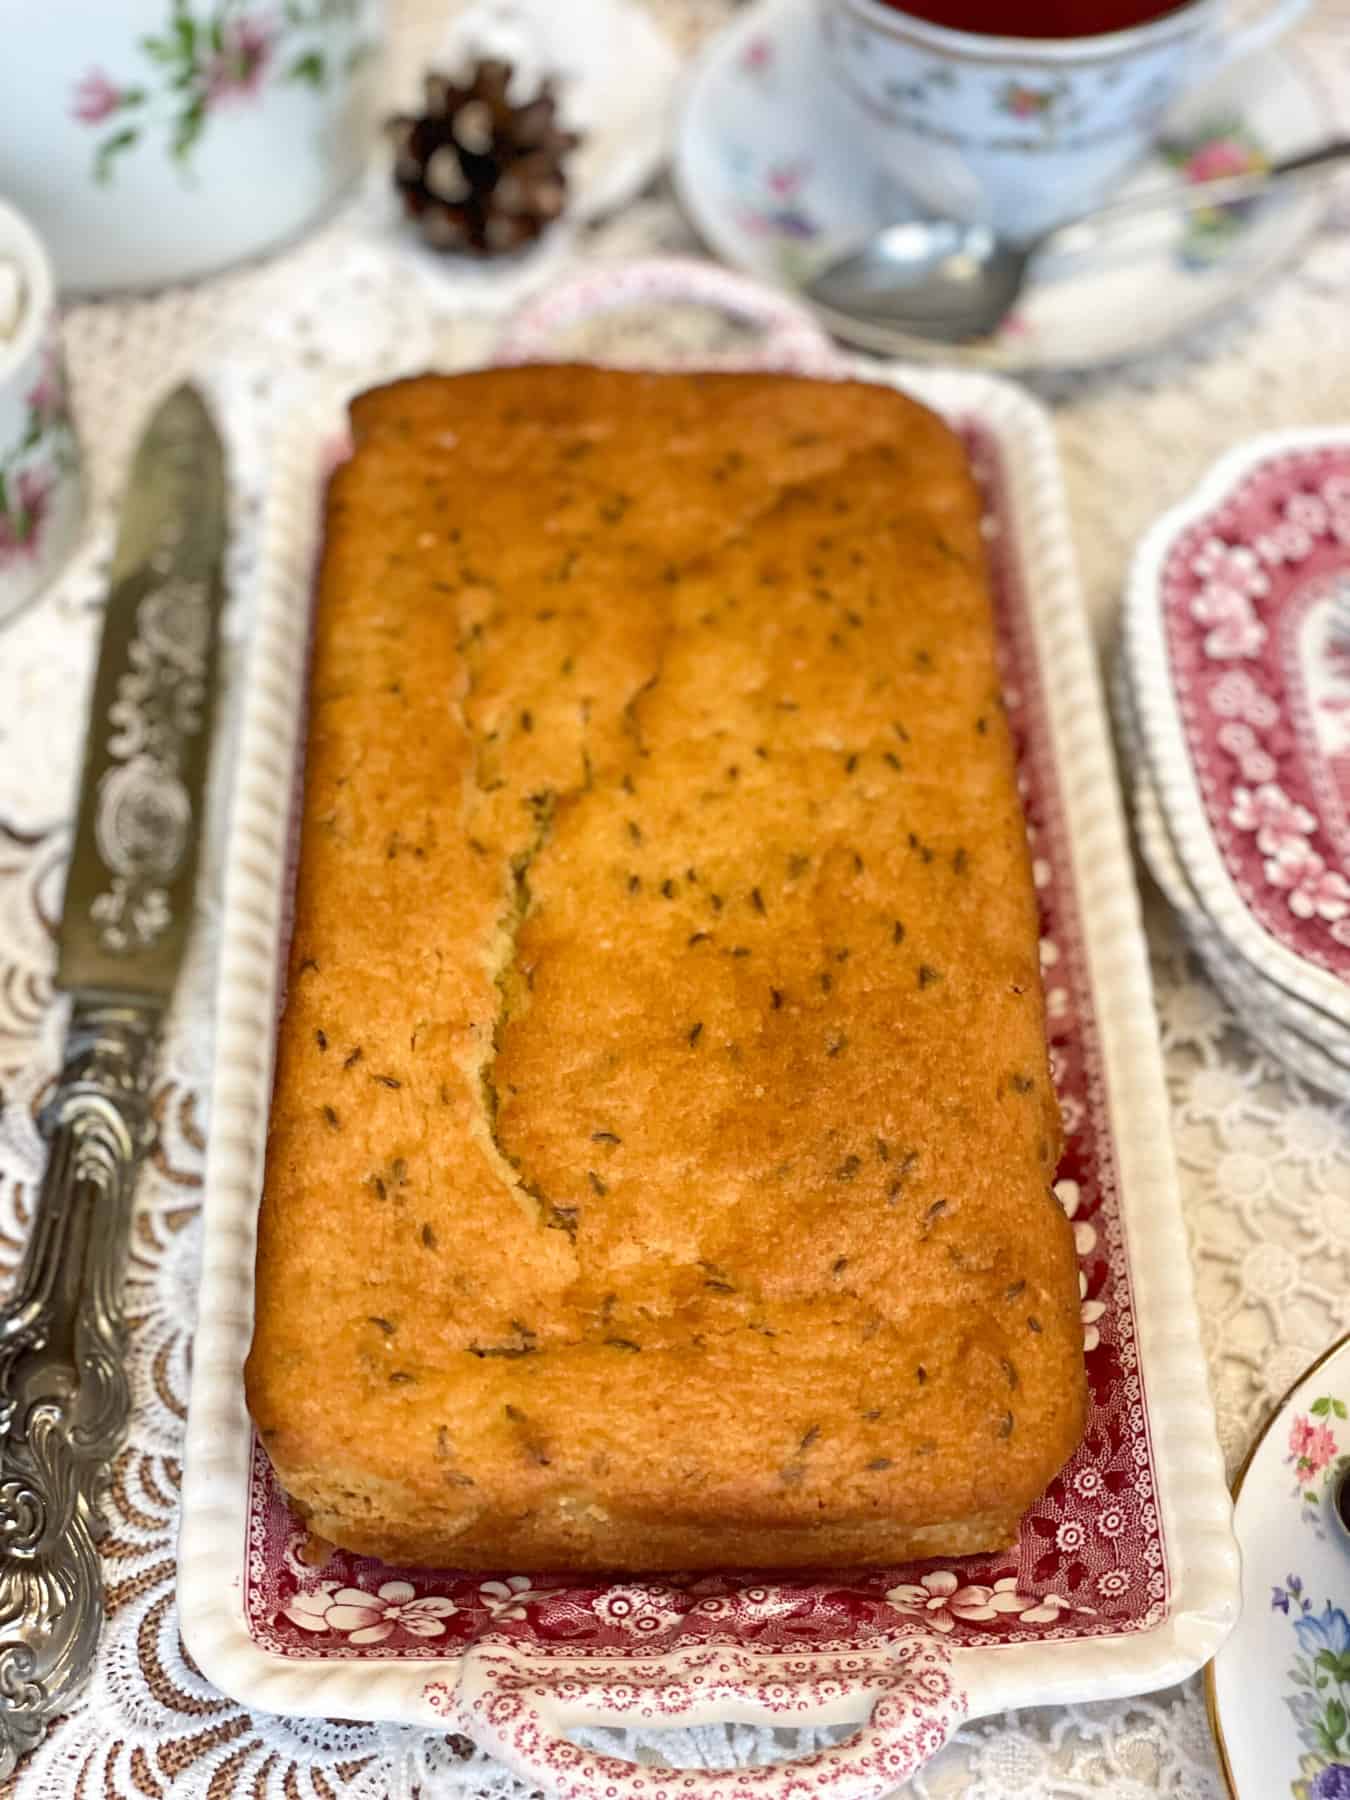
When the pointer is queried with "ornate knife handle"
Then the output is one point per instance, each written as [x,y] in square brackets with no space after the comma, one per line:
[64,1396]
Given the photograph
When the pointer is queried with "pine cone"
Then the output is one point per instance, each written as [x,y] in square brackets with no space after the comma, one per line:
[477,172]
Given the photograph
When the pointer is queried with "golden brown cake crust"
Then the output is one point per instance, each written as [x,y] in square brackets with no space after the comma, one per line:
[659,1163]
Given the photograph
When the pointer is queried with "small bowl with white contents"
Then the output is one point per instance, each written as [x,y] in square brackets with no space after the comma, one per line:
[39,455]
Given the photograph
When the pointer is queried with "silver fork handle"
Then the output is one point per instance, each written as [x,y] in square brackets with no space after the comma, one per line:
[64,1395]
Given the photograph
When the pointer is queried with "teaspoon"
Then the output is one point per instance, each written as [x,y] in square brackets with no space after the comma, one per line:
[941,279]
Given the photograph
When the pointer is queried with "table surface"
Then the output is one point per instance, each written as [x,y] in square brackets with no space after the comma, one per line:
[1265,1163]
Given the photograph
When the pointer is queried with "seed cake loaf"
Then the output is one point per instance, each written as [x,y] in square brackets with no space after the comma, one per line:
[659,1165]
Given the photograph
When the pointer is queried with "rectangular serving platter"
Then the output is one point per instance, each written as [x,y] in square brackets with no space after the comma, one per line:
[1125,1576]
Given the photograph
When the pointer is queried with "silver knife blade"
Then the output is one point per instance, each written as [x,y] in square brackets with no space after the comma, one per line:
[64,1392]
[128,897]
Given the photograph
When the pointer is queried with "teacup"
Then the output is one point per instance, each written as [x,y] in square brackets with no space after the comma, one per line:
[156,140]
[1023,133]
[39,456]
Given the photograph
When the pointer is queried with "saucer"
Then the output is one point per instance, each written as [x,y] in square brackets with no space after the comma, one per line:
[1304,1040]
[1236,648]
[1296,1036]
[767,167]
[1279,1689]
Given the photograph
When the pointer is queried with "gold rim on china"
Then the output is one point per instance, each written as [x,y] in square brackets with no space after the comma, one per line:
[1211,1702]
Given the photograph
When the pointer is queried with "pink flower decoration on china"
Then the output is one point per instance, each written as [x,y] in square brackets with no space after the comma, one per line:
[366,1618]
[1048,1608]
[785,179]
[96,98]
[22,518]
[1256,765]
[237,71]
[1220,156]
[1314,890]
[757,57]
[1281,824]
[1237,739]
[1336,493]
[1241,741]
[1071,1112]
[1113,1584]
[639,1610]
[1308,512]
[1237,631]
[507,1599]
[1294,541]
[940,1600]
[1314,1446]
[1322,1448]
[1111,1522]
[1292,863]
[1236,696]
[1231,566]
[1216,604]
[1070,1198]
[46,400]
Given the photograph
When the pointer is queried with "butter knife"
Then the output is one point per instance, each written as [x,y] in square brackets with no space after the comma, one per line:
[64,1394]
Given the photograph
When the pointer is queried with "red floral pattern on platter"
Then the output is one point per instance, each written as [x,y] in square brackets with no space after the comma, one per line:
[1256,616]
[505,1704]
[1090,1557]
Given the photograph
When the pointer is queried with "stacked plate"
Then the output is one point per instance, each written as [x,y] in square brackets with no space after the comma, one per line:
[1234,687]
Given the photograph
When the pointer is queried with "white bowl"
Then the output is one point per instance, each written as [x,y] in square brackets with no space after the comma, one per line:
[39,456]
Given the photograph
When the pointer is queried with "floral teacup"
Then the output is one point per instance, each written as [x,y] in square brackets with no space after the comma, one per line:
[39,470]
[154,140]
[1022,133]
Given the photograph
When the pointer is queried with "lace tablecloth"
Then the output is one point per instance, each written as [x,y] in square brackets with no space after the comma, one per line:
[1266,1164]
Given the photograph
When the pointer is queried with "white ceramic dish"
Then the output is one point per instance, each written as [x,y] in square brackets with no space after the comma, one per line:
[1305,1040]
[1292,1039]
[1242,695]
[39,454]
[771,167]
[1279,1689]
[1126,1574]
[153,141]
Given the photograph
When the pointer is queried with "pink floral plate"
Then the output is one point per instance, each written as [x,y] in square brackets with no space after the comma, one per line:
[1296,1035]
[1124,1574]
[1301,1037]
[1279,1689]
[1238,645]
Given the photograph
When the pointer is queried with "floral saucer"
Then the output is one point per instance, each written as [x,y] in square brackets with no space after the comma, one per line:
[768,169]
[1303,1037]
[1279,1688]
[1237,651]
